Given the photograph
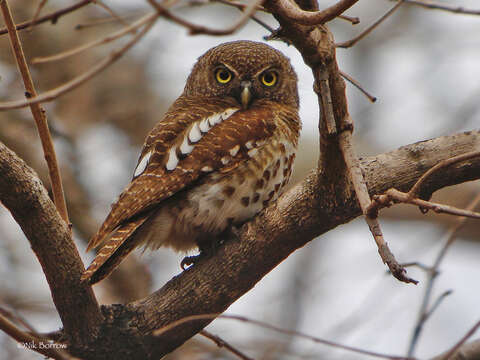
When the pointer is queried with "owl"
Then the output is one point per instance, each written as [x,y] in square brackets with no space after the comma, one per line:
[222,153]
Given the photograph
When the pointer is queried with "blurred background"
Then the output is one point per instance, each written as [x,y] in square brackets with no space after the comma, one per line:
[421,64]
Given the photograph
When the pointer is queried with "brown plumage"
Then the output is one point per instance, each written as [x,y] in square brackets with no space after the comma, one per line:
[222,152]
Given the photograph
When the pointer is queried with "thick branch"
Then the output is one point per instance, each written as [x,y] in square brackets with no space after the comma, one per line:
[308,210]
[23,194]
[291,11]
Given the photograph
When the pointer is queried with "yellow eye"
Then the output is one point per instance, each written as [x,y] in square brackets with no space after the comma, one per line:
[223,76]
[269,78]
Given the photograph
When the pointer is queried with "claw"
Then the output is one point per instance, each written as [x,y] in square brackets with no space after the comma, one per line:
[189,261]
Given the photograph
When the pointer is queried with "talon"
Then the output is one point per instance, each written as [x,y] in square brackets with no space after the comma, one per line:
[189,261]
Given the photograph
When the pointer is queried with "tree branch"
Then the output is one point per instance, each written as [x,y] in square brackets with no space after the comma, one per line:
[53,17]
[317,47]
[425,308]
[428,4]
[23,194]
[25,338]
[290,10]
[79,80]
[38,113]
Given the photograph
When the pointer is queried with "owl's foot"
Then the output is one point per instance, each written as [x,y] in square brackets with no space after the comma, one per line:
[188,261]
[207,249]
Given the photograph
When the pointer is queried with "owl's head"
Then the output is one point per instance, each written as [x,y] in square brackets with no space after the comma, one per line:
[246,71]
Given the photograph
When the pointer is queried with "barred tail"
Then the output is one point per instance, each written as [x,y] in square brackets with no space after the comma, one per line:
[113,251]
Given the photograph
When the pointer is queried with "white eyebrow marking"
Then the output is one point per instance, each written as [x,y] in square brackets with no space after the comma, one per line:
[194,134]
[142,165]
[234,150]
[172,159]
[186,148]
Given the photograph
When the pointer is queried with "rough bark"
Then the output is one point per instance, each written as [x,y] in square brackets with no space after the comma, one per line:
[24,195]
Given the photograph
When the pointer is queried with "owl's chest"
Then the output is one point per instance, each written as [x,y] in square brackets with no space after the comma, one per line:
[233,198]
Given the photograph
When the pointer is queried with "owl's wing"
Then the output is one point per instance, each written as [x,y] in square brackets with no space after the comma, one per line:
[183,148]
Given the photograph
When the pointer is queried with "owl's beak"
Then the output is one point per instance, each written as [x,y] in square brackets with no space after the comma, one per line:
[245,95]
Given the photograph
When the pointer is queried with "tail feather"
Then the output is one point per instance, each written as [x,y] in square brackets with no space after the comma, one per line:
[113,251]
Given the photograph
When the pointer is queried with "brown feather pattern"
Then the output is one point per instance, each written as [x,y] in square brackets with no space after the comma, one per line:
[207,154]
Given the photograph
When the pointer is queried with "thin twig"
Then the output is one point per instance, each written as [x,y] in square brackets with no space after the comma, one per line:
[349,43]
[199,29]
[108,20]
[263,24]
[361,190]
[356,176]
[37,13]
[424,313]
[79,80]
[53,17]
[24,338]
[222,343]
[393,195]
[437,303]
[112,13]
[441,6]
[38,114]
[265,325]
[16,318]
[145,19]
[241,7]
[352,19]
[238,5]
[415,190]
[358,86]
[291,11]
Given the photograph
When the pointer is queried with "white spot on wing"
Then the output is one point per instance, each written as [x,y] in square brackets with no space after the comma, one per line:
[204,125]
[186,148]
[229,112]
[194,135]
[142,165]
[249,144]
[215,119]
[206,168]
[172,159]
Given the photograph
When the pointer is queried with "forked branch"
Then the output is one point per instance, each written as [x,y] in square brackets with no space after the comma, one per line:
[411,197]
[336,126]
